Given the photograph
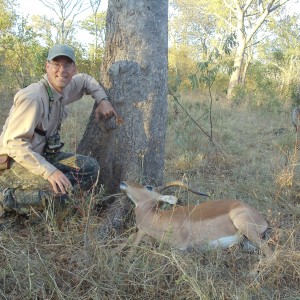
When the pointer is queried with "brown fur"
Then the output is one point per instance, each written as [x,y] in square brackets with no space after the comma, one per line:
[214,223]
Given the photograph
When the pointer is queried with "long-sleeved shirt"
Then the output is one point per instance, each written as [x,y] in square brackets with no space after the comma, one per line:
[30,110]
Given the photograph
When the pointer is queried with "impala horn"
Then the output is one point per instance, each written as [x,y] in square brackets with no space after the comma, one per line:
[178,183]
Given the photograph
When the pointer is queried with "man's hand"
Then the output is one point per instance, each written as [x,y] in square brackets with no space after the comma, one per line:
[105,110]
[60,183]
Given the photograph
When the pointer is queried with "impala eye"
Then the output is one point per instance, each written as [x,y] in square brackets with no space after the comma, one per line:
[149,187]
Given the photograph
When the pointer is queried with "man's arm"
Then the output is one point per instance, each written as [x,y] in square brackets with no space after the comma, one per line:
[86,84]
[18,135]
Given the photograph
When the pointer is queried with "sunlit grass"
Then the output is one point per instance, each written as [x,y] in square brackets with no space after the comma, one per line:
[73,127]
[256,161]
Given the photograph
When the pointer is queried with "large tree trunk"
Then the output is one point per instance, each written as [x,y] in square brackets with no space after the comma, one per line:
[134,75]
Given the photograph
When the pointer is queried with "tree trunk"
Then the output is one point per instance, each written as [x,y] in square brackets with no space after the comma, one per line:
[247,59]
[238,64]
[245,33]
[134,74]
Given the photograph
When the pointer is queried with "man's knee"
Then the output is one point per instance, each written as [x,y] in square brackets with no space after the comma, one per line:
[95,168]
[90,166]
[22,201]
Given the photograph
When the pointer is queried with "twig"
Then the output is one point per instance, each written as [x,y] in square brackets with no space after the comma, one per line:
[87,226]
[210,110]
[293,209]
[197,124]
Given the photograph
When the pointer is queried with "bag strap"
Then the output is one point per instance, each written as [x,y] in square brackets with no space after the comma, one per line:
[50,94]
[51,101]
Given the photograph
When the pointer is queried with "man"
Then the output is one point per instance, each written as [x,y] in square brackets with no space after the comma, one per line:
[33,167]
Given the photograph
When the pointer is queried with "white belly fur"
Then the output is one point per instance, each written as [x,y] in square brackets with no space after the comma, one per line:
[225,242]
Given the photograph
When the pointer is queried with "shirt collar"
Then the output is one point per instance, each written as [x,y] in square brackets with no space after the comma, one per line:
[57,96]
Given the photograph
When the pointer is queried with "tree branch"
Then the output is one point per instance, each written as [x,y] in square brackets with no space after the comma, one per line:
[281,2]
[194,121]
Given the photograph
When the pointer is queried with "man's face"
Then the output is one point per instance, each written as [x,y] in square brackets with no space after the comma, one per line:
[60,71]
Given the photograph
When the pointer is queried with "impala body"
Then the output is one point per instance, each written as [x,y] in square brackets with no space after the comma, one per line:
[212,224]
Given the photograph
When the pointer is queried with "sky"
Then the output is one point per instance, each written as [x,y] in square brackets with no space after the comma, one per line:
[35,7]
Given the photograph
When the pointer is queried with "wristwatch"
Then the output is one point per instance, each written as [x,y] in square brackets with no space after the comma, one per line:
[105,98]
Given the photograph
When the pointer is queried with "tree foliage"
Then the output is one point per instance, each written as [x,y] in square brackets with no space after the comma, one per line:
[95,25]
[196,29]
[281,55]
[237,29]
[7,16]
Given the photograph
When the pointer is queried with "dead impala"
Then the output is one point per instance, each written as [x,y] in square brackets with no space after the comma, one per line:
[212,224]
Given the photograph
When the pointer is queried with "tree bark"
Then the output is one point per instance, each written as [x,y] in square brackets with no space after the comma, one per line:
[134,74]
[237,66]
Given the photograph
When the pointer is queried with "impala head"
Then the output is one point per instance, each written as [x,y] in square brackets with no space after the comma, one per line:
[140,194]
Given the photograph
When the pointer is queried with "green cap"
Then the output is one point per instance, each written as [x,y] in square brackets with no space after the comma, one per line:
[61,50]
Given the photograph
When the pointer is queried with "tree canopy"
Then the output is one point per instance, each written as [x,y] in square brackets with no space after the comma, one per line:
[197,31]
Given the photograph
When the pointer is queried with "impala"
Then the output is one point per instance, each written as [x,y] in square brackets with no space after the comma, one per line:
[212,224]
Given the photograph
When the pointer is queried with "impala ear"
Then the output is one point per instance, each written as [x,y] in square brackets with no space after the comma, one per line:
[168,198]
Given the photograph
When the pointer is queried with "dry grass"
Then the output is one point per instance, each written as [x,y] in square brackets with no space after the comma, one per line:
[74,126]
[51,257]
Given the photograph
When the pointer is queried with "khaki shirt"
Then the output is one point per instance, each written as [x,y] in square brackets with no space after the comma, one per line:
[30,110]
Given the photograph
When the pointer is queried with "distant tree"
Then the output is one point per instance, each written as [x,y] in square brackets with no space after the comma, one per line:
[191,39]
[7,22]
[24,56]
[281,53]
[7,16]
[245,18]
[66,12]
[20,52]
[43,26]
[191,36]
[242,19]
[95,25]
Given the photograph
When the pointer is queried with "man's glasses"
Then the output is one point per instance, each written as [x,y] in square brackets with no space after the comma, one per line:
[56,66]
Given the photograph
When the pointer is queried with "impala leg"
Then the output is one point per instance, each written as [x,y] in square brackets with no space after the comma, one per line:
[119,248]
[132,241]
[254,237]
[136,238]
[253,232]
[254,243]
